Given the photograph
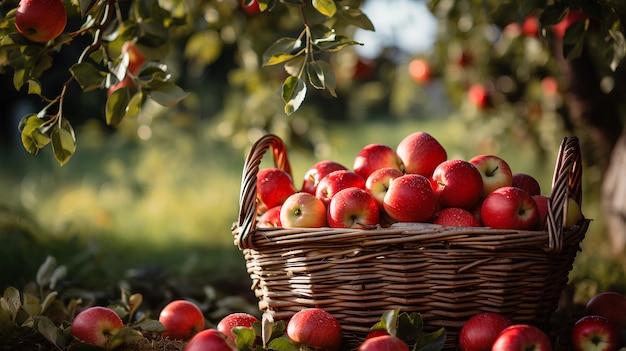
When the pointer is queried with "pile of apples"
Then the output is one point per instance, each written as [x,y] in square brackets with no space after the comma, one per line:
[415,182]
[601,328]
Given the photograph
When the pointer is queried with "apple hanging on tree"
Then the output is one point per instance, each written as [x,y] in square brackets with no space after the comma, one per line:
[40,20]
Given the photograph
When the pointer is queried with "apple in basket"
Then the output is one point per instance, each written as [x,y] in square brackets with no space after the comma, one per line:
[353,208]
[509,208]
[596,333]
[522,337]
[481,330]
[542,202]
[273,186]
[315,328]
[336,181]
[410,199]
[420,153]
[373,157]
[457,183]
[495,171]
[526,182]
[378,182]
[574,214]
[303,210]
[456,217]
[318,171]
[270,218]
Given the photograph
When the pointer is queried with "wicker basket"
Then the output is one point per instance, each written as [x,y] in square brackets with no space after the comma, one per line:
[447,274]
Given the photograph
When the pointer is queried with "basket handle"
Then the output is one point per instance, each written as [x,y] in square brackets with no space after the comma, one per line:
[567,182]
[247,195]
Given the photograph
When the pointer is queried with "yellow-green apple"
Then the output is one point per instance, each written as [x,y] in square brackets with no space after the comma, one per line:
[510,208]
[318,171]
[522,337]
[40,20]
[456,217]
[574,214]
[378,182]
[273,186]
[210,339]
[543,203]
[595,333]
[97,326]
[235,319]
[303,210]
[495,171]
[373,157]
[270,218]
[316,329]
[609,304]
[353,208]
[480,331]
[457,183]
[420,153]
[182,318]
[336,181]
[527,182]
[410,199]
[383,343]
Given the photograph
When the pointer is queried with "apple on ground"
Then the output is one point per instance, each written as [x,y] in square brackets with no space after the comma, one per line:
[40,20]
[378,183]
[353,208]
[410,199]
[315,328]
[383,343]
[336,181]
[495,172]
[210,339]
[481,330]
[318,171]
[595,333]
[270,218]
[373,157]
[303,210]
[609,304]
[510,208]
[420,153]
[522,337]
[97,326]
[235,319]
[526,182]
[456,217]
[273,187]
[183,319]
[375,333]
[457,183]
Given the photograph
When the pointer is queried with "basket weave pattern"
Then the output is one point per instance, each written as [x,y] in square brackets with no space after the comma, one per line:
[447,274]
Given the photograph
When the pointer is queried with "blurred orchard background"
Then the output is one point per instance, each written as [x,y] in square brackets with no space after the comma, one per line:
[147,198]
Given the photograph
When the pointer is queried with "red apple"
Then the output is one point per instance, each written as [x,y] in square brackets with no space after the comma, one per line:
[182,318]
[456,217]
[353,208]
[384,343]
[318,171]
[420,153]
[303,210]
[481,330]
[410,199]
[210,339]
[419,70]
[595,333]
[378,183]
[478,96]
[136,60]
[336,181]
[572,16]
[375,333]
[270,218]
[495,171]
[373,157]
[543,203]
[236,319]
[522,337]
[96,326]
[273,187]
[530,26]
[457,183]
[40,20]
[510,208]
[526,182]
[609,304]
[315,328]
[251,7]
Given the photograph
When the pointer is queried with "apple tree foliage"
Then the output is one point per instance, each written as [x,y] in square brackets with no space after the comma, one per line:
[163,31]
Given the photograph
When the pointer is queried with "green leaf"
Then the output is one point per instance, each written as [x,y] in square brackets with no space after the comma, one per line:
[574,39]
[431,342]
[31,305]
[320,33]
[335,45]
[47,301]
[327,8]
[410,326]
[87,76]
[152,325]
[294,67]
[294,92]
[389,322]
[329,77]
[316,75]
[282,50]
[355,17]
[11,301]
[32,137]
[125,334]
[282,344]
[18,78]
[116,105]
[63,142]
[50,331]
[618,49]
[244,337]
[45,271]
[167,94]
[34,87]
